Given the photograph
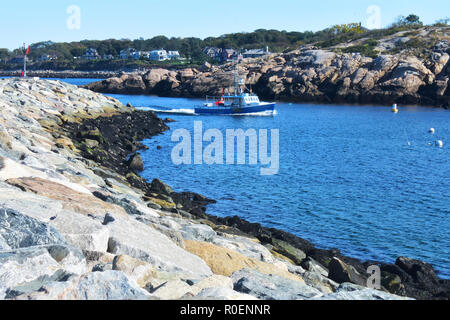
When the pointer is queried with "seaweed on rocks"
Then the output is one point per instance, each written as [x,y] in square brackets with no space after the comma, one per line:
[116,137]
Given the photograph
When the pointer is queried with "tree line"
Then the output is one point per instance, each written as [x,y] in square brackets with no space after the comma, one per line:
[192,48]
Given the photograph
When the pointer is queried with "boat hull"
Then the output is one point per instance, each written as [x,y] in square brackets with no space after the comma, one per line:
[236,111]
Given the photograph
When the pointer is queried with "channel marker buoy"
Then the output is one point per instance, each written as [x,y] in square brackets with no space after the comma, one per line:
[394,108]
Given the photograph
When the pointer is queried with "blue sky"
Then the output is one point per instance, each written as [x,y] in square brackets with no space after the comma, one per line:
[34,21]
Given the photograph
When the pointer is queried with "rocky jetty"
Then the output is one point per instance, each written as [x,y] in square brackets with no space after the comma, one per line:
[78,223]
[62,74]
[309,75]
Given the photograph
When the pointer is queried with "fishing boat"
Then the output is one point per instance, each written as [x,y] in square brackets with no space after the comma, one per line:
[242,102]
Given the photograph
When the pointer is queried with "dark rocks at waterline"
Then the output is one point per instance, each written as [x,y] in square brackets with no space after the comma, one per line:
[158,186]
[414,278]
[418,281]
[118,136]
[341,272]
[135,163]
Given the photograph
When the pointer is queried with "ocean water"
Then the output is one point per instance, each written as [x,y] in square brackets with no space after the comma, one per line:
[357,178]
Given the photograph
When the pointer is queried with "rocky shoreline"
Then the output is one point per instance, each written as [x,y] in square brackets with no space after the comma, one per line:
[77,221]
[307,75]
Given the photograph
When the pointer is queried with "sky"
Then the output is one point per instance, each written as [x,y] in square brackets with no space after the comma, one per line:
[32,21]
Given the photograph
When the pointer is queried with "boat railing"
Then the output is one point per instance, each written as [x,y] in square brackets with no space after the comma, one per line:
[220,98]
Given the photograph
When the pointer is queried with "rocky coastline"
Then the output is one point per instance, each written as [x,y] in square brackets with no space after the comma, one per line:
[307,75]
[78,222]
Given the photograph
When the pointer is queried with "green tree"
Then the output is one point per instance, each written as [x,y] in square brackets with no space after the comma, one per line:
[413,19]
[4,54]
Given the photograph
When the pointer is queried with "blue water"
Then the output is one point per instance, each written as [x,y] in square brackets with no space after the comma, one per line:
[360,179]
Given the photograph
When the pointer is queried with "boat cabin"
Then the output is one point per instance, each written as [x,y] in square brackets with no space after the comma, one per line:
[245,99]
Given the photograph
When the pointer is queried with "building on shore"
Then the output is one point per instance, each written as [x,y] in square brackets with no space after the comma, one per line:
[173,55]
[221,54]
[158,55]
[212,52]
[91,54]
[47,57]
[228,55]
[256,53]
[129,53]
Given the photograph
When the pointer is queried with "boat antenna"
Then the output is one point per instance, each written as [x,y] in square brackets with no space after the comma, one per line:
[236,75]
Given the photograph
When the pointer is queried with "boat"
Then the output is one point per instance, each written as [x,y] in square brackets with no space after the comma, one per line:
[240,103]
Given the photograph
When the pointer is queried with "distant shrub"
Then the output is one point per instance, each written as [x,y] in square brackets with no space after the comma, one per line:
[442,23]
[367,48]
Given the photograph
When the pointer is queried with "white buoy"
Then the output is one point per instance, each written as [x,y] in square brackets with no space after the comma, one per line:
[432,131]
[439,143]
[394,108]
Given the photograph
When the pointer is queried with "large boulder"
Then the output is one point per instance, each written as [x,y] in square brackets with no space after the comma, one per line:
[321,58]
[135,163]
[139,271]
[19,231]
[79,230]
[198,232]
[439,61]
[32,249]
[222,293]
[160,187]
[154,76]
[135,239]
[347,291]
[271,287]
[420,271]
[134,84]
[107,285]
[223,261]
[341,272]
[73,200]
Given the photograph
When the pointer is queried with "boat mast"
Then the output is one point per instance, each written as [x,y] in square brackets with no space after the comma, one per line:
[26,51]
[236,75]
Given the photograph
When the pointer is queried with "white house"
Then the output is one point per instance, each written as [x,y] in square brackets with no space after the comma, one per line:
[256,53]
[91,54]
[127,53]
[173,55]
[47,57]
[212,52]
[158,55]
[144,54]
